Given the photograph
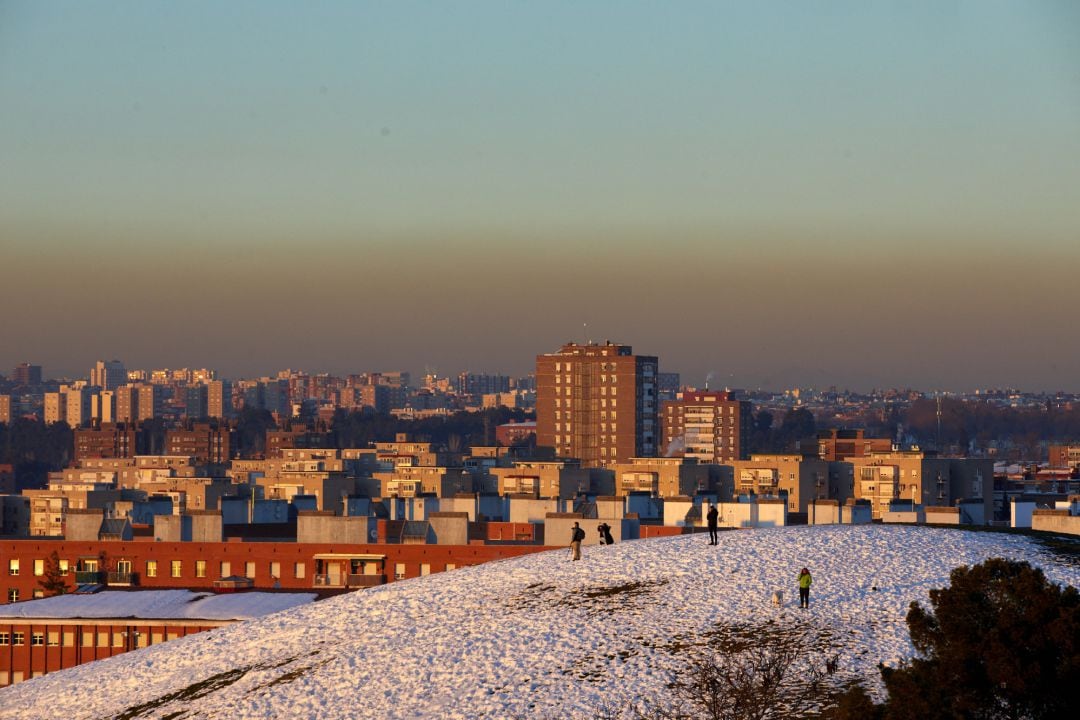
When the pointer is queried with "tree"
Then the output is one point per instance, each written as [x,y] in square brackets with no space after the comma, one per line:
[53,582]
[774,676]
[1000,642]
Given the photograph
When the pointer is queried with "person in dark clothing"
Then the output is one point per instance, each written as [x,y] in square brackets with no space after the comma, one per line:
[576,536]
[712,517]
[605,534]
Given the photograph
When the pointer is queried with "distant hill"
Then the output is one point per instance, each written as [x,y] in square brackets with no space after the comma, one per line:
[538,636]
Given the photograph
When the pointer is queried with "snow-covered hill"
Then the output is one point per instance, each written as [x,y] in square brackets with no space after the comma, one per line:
[536,636]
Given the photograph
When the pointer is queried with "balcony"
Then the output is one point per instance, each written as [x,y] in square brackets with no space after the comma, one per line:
[122,578]
[89,577]
[362,581]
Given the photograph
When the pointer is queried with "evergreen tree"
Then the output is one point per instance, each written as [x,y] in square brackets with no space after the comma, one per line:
[1000,642]
[53,581]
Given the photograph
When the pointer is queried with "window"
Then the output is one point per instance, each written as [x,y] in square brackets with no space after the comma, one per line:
[18,638]
[39,568]
[298,570]
[13,595]
[64,567]
[103,639]
[275,570]
[175,568]
[151,568]
[118,639]
[54,638]
[249,569]
[399,571]
[13,566]
[200,568]
[5,638]
[226,568]
[451,566]
[425,569]
[3,677]
[38,593]
[69,638]
[88,639]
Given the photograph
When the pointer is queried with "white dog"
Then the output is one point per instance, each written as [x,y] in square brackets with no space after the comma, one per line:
[778,598]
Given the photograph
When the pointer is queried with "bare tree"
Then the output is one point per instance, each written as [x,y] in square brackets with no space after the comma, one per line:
[776,676]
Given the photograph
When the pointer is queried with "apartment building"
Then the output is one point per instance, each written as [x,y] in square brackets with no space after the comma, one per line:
[709,426]
[108,375]
[414,480]
[665,477]
[925,480]
[1065,456]
[803,478]
[207,444]
[597,403]
[109,440]
[839,444]
[543,479]
[151,401]
[219,399]
[127,403]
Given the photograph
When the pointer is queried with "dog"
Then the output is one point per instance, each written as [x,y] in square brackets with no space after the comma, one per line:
[778,598]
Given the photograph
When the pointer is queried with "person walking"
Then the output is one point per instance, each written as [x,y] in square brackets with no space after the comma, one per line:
[804,588]
[712,516]
[576,536]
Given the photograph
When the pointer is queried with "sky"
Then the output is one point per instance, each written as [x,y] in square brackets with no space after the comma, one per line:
[780,194]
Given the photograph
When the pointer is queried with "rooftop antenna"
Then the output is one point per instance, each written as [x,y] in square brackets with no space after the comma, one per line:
[585,333]
[939,422]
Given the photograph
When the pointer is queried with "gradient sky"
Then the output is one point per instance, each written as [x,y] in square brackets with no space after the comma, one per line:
[867,194]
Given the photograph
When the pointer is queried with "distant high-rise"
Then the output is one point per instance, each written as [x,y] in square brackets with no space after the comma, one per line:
[127,403]
[5,409]
[108,375]
[79,405]
[151,400]
[219,399]
[597,403]
[55,407]
[103,406]
[26,374]
[196,405]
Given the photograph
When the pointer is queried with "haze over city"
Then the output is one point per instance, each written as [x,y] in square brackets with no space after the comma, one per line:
[865,195]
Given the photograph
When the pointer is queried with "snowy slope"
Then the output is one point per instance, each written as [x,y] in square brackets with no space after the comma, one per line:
[535,636]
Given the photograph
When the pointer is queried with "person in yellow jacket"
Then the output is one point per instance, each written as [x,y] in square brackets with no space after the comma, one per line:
[804,588]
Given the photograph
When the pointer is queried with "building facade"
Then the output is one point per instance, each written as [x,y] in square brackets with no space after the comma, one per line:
[709,426]
[597,403]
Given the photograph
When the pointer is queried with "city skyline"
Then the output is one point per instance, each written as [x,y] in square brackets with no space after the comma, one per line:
[864,195]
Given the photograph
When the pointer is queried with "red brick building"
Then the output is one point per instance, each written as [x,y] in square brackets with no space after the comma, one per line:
[708,425]
[834,445]
[110,440]
[61,632]
[597,403]
[208,444]
[268,565]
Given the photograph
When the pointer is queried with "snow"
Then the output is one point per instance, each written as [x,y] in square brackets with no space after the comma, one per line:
[157,605]
[537,636]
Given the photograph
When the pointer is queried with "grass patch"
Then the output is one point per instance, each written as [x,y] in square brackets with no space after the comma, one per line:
[191,692]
